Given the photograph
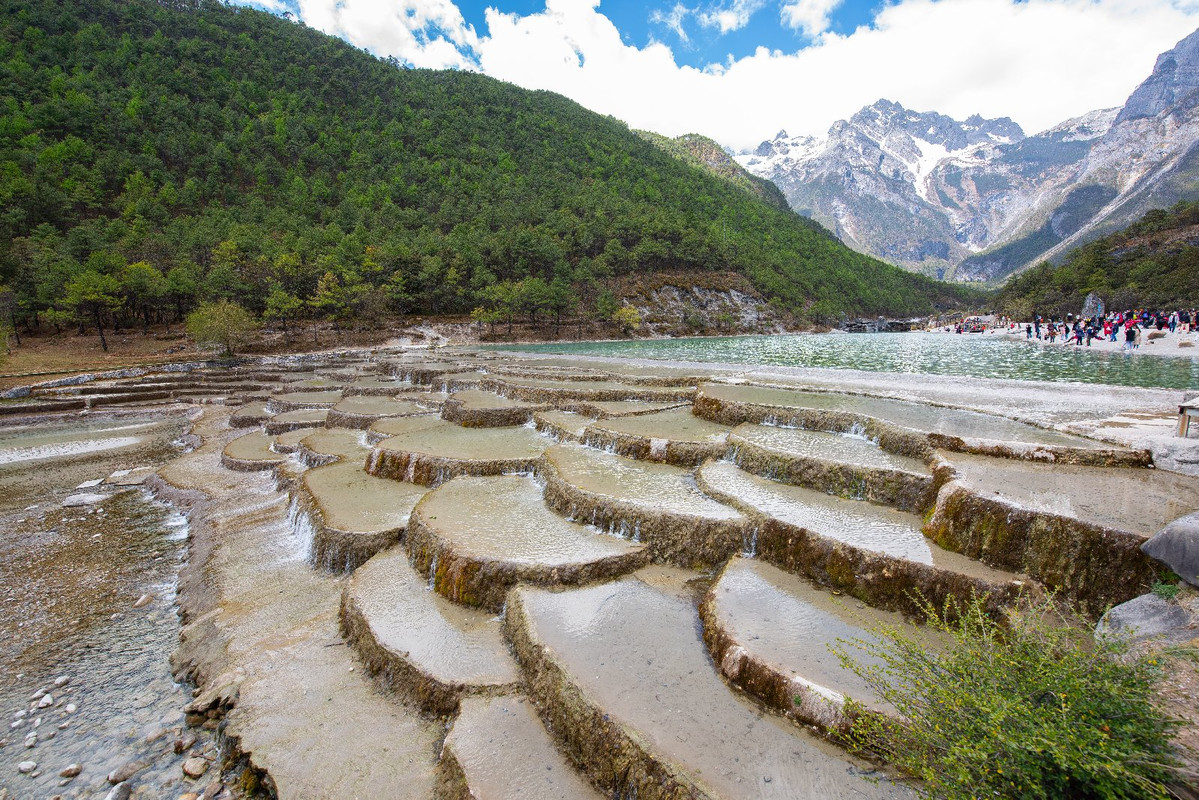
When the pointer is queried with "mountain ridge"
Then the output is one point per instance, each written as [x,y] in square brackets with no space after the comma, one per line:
[977,200]
[159,155]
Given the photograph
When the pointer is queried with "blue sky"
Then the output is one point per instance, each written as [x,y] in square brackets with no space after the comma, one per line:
[741,70]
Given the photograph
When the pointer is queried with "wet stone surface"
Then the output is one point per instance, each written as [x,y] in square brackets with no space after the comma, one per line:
[1141,501]
[343,619]
[87,625]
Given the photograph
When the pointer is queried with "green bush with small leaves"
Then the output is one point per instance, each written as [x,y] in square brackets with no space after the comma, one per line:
[1030,708]
[221,324]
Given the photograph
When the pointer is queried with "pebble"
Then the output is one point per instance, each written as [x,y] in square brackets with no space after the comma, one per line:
[195,767]
[46,701]
[21,714]
[184,743]
[126,771]
[26,767]
[144,600]
[14,725]
[71,708]
[119,792]
[71,771]
[84,499]
[31,740]
[62,680]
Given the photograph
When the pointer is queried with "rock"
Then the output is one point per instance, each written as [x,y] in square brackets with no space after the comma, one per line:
[1185,343]
[46,701]
[62,680]
[71,771]
[144,600]
[71,708]
[1177,546]
[83,499]
[195,767]
[1156,335]
[126,771]
[119,792]
[20,714]
[184,743]
[90,484]
[1145,617]
[31,740]
[16,724]
[26,767]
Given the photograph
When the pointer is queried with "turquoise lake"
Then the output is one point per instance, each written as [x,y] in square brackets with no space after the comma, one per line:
[915,353]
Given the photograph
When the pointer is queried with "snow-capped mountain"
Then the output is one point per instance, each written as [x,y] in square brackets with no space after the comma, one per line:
[977,199]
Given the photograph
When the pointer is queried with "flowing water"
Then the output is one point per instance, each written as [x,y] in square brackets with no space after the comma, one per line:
[978,356]
[87,622]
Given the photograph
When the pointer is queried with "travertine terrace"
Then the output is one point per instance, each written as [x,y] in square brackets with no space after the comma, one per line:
[472,575]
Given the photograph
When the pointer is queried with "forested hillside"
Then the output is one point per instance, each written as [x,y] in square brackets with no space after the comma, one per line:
[156,155]
[707,154]
[1153,263]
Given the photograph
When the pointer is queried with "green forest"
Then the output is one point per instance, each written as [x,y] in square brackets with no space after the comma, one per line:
[154,156]
[1152,264]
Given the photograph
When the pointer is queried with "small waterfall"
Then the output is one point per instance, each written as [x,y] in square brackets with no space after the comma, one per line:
[857,489]
[410,470]
[858,431]
[749,543]
[657,448]
[303,531]
[433,573]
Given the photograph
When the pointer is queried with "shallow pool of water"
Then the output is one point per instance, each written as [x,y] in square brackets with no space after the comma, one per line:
[923,353]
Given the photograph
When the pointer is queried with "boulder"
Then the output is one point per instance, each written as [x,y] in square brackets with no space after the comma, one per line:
[1177,546]
[1147,617]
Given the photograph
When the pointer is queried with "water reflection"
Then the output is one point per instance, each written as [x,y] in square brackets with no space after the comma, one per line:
[913,353]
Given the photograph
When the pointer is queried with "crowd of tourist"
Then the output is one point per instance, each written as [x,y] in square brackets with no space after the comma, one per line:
[1128,327]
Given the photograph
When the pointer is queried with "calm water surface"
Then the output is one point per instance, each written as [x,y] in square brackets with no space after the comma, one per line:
[921,353]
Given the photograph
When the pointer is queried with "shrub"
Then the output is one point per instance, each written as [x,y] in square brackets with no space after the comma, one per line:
[222,324]
[627,318]
[1032,708]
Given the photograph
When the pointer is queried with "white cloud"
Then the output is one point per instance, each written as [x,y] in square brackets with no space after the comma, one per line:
[809,16]
[672,19]
[425,33]
[1037,61]
[732,17]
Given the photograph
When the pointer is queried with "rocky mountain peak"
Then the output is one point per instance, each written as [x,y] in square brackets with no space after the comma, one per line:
[977,199]
[885,118]
[1174,82]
